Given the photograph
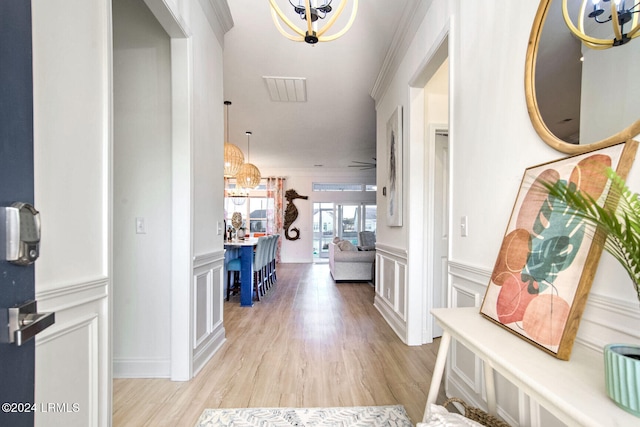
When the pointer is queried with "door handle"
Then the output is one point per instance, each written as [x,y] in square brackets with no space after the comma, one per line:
[25,322]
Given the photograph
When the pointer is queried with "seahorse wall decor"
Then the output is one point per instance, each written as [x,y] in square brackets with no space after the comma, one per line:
[291,213]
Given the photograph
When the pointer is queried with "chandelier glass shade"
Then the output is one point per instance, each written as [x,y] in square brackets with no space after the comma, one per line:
[311,11]
[233,157]
[594,11]
[249,175]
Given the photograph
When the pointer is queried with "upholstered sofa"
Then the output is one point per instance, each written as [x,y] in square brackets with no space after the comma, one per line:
[348,263]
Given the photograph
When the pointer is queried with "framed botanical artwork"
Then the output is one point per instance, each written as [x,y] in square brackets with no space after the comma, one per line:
[394,157]
[545,266]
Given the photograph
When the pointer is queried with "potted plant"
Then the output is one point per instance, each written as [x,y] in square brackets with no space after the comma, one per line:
[618,230]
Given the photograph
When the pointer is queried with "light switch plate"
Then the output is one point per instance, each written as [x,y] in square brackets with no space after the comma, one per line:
[140,227]
[464,226]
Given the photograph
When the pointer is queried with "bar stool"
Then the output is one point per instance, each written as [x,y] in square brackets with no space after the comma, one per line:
[259,262]
[267,267]
[274,278]
[272,257]
[233,266]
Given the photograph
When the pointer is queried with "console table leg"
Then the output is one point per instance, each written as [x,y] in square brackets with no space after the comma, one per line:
[490,387]
[438,370]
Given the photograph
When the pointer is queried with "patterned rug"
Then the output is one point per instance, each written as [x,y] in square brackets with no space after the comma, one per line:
[377,416]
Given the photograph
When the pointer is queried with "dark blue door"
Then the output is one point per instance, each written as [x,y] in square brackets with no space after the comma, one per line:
[16,184]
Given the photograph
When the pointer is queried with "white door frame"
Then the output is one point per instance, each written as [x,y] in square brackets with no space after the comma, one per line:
[421,193]
[181,190]
[441,202]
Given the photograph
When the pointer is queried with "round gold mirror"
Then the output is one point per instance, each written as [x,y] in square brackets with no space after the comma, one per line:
[579,99]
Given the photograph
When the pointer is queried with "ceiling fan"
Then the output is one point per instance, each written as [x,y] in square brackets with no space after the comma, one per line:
[364,165]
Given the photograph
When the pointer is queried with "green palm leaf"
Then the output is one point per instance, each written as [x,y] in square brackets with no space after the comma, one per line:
[556,239]
[618,222]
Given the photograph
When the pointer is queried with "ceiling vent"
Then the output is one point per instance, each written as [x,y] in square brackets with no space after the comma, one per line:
[286,89]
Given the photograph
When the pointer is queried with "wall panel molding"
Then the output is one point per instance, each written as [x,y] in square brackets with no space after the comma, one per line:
[66,296]
[207,308]
[391,287]
[208,258]
[74,351]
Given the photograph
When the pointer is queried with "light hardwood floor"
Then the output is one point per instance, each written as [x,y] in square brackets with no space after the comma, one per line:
[310,343]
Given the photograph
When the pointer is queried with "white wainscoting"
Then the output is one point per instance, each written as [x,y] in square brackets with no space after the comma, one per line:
[207,307]
[391,287]
[602,320]
[74,354]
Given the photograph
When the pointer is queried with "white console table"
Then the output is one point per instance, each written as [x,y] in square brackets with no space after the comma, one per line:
[573,391]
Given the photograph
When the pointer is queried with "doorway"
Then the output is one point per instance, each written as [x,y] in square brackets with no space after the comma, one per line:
[167,209]
[141,192]
[342,220]
[429,193]
[440,224]
[323,230]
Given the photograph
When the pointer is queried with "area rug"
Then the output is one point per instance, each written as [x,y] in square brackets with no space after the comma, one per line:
[377,416]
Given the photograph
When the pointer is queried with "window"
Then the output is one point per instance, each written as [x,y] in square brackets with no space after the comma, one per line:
[323,186]
[253,208]
[342,220]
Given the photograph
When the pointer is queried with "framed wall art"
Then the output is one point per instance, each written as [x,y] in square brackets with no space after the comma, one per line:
[545,266]
[394,157]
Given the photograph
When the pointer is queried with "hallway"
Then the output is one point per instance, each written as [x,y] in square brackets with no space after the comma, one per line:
[310,343]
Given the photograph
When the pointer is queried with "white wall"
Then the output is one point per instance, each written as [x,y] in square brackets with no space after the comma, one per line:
[492,141]
[73,186]
[301,180]
[142,189]
[208,110]
[72,142]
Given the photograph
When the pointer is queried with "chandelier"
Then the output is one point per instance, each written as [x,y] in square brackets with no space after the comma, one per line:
[620,15]
[233,157]
[237,194]
[249,175]
[312,11]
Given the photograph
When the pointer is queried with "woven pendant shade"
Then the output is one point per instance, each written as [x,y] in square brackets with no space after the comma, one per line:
[233,157]
[233,160]
[248,176]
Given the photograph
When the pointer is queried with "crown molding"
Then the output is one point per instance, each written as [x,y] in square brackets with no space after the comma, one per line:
[219,16]
[412,16]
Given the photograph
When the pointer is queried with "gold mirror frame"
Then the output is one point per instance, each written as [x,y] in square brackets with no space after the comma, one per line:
[532,104]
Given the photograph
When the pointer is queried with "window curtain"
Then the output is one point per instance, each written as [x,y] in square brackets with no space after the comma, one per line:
[275,212]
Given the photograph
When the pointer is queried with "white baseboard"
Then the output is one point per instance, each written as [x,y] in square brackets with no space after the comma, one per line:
[208,349]
[141,368]
[398,325]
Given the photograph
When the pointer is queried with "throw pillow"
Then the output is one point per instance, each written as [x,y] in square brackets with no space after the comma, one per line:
[346,245]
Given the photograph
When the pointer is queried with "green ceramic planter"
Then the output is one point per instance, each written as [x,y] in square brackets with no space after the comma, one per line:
[622,375]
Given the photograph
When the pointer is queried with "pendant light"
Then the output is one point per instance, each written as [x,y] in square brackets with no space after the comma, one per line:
[249,175]
[233,157]
[620,15]
[312,11]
